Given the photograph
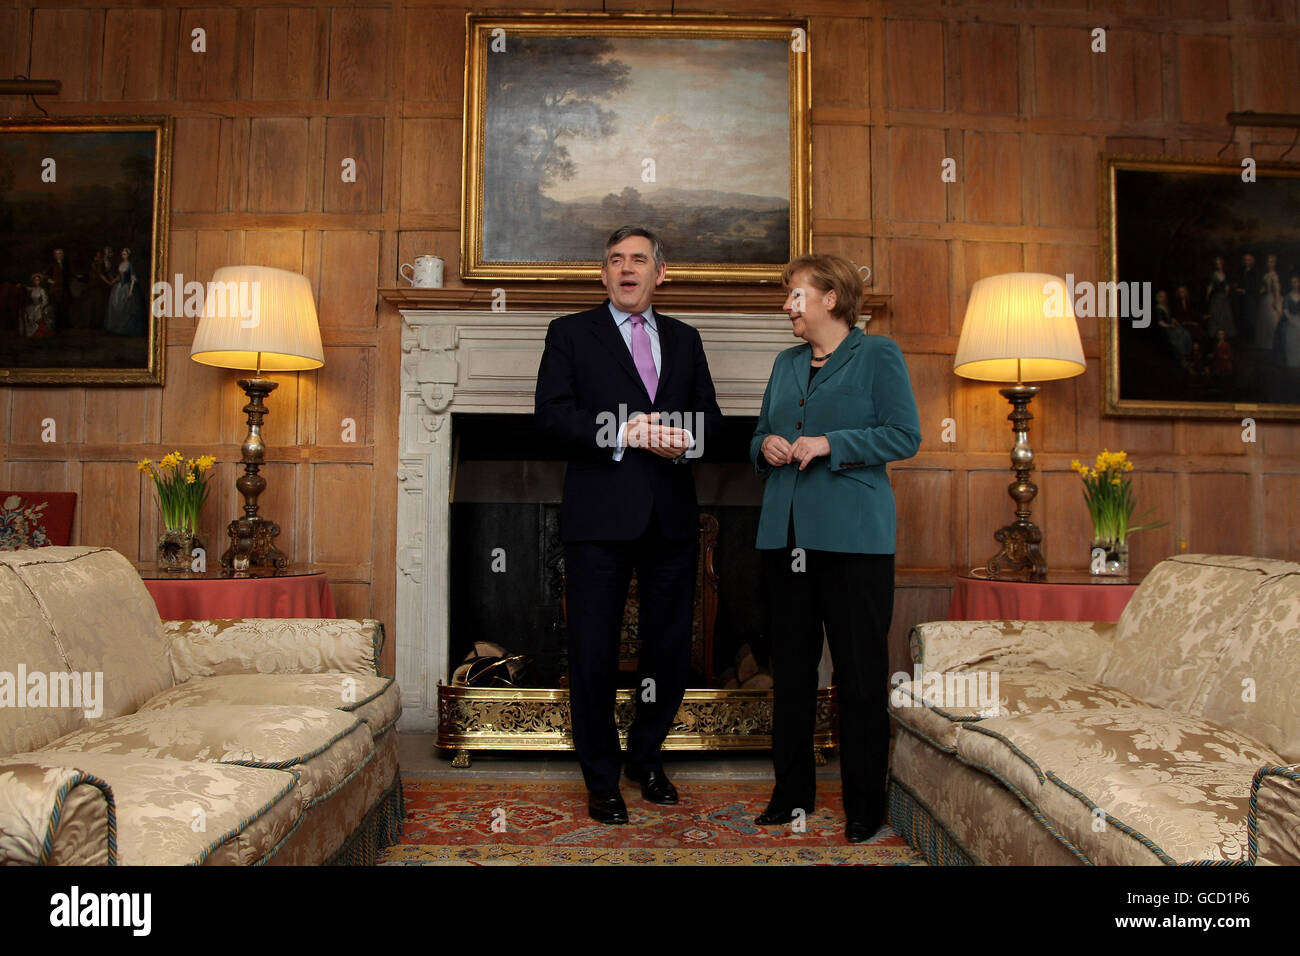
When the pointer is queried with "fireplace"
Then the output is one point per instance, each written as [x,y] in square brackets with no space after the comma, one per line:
[462,358]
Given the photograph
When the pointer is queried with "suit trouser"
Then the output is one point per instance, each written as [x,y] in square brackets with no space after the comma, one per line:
[597,574]
[852,595]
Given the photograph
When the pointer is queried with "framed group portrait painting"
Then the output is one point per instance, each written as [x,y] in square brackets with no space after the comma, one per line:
[696,127]
[1213,249]
[83,238]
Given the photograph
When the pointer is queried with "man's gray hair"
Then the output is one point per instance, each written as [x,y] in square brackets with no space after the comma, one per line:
[623,232]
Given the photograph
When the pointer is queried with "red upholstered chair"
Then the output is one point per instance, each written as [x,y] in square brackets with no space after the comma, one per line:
[35,519]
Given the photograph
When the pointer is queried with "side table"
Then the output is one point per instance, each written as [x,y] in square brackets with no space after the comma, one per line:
[1063,596]
[297,591]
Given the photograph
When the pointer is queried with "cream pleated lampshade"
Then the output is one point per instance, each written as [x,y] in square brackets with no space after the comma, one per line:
[258,317]
[1019,327]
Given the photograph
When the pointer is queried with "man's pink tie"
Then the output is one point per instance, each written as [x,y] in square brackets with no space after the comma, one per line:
[642,357]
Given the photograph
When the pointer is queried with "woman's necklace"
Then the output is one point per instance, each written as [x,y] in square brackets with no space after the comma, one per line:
[823,358]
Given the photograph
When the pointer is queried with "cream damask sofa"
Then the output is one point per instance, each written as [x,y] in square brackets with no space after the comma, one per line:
[1172,736]
[241,741]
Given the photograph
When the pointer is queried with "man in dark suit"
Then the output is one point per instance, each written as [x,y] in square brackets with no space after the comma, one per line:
[626,392]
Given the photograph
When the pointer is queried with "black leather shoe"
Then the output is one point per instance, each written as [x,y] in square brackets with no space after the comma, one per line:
[607,807]
[774,816]
[856,831]
[655,785]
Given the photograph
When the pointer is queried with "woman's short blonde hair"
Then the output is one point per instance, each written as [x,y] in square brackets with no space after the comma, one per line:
[829,273]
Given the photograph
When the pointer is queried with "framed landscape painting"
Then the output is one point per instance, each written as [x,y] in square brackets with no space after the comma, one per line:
[83,238]
[1211,251]
[696,127]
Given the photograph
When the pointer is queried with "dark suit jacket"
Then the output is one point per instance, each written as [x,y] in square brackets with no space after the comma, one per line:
[586,386]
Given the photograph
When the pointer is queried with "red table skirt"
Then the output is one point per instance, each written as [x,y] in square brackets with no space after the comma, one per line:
[305,595]
[976,600]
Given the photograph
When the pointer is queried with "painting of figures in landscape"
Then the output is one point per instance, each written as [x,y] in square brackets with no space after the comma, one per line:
[691,135]
[80,207]
[1222,256]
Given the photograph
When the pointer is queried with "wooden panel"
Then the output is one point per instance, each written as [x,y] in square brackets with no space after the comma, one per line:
[277,165]
[61,49]
[358,54]
[990,508]
[1204,66]
[430,167]
[341,490]
[132,54]
[1063,71]
[352,600]
[840,73]
[287,48]
[915,165]
[913,606]
[127,416]
[914,64]
[434,61]
[361,139]
[110,506]
[348,279]
[1159,491]
[1067,180]
[983,259]
[992,178]
[990,68]
[345,389]
[209,75]
[1269,72]
[41,413]
[1282,506]
[918,280]
[192,401]
[278,248]
[981,415]
[924,501]
[1218,524]
[196,151]
[1134,79]
[932,385]
[846,193]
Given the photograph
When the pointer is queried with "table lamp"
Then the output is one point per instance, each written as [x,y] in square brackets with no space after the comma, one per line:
[1019,327]
[262,319]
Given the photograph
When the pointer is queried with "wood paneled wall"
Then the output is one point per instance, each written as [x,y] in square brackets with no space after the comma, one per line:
[1012,93]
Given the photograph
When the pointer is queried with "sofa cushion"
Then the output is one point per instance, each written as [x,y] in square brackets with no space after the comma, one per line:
[53,816]
[928,706]
[323,748]
[375,700]
[1165,811]
[27,648]
[177,812]
[1105,757]
[1178,623]
[103,620]
[1253,686]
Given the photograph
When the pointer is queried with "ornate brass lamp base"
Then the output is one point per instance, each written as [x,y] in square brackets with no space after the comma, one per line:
[252,537]
[1020,540]
[490,718]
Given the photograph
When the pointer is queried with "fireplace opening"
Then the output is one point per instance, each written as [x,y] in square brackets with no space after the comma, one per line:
[507,559]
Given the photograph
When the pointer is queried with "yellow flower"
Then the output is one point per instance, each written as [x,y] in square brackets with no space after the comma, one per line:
[189,478]
[1116,482]
[145,465]
[206,462]
[1075,466]
[172,460]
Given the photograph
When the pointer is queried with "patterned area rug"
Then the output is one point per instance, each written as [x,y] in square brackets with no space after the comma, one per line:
[485,821]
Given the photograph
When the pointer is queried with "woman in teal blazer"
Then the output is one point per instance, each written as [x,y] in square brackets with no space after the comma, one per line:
[836,410]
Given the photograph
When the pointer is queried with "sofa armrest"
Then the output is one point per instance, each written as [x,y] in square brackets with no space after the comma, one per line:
[1080,647]
[273,646]
[1273,827]
[53,815]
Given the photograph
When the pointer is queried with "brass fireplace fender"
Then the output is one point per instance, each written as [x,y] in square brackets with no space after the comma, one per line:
[528,719]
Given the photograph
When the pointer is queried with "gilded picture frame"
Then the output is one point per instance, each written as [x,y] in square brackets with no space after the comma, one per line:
[576,124]
[1212,251]
[83,239]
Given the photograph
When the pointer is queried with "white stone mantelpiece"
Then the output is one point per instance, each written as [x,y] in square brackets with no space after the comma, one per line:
[457,360]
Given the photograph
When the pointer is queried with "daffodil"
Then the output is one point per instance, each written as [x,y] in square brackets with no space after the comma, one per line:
[1108,491]
[182,488]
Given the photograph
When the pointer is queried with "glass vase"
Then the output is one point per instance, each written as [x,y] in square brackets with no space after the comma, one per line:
[176,550]
[1108,558]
